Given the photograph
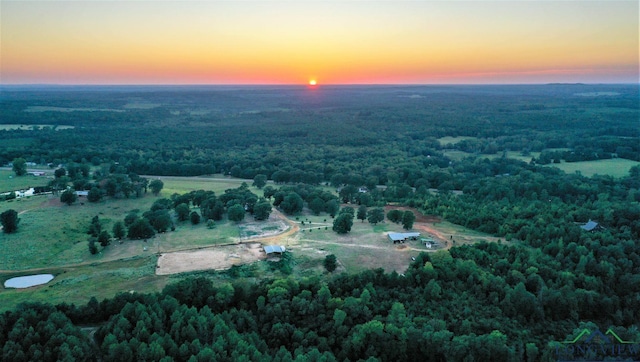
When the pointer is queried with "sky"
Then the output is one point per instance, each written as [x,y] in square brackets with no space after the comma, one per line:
[331,42]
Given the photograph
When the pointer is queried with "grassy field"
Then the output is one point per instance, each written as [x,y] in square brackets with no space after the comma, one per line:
[29,127]
[10,182]
[616,167]
[52,239]
[53,234]
[78,284]
[453,140]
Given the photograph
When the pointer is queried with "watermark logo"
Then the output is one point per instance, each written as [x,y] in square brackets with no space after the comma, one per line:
[594,345]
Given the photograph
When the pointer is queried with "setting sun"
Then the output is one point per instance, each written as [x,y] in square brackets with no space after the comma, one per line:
[312,82]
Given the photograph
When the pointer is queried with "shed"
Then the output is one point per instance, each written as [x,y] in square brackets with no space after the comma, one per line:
[402,237]
[591,226]
[270,249]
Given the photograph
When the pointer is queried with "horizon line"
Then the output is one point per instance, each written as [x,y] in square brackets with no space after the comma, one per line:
[296,84]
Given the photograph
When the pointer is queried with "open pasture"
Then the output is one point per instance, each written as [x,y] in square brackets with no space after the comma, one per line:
[10,182]
[31,127]
[52,239]
[616,167]
[77,284]
[453,140]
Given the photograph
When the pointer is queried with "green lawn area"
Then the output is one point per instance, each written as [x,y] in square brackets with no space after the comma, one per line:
[54,234]
[78,284]
[29,127]
[453,140]
[616,167]
[216,183]
[52,238]
[10,182]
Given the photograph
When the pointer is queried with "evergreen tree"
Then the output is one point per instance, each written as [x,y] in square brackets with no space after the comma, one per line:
[330,263]
[195,218]
[9,221]
[119,230]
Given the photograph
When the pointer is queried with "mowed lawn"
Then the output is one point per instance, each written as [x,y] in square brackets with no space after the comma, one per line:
[78,284]
[616,167]
[10,182]
[52,237]
[54,234]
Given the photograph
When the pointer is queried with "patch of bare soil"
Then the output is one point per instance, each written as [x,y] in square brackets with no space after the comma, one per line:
[216,258]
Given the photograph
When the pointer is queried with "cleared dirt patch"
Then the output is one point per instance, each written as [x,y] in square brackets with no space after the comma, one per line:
[216,258]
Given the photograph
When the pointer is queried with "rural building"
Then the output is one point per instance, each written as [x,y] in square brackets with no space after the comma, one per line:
[81,193]
[271,249]
[25,193]
[591,226]
[402,237]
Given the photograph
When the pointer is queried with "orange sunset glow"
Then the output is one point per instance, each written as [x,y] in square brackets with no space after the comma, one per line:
[273,42]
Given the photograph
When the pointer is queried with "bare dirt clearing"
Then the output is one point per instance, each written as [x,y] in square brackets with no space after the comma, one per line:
[248,250]
[216,258]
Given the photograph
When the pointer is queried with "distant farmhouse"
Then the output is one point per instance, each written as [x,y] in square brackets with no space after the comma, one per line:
[591,226]
[397,238]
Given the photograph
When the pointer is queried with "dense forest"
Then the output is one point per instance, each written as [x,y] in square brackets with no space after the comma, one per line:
[520,299]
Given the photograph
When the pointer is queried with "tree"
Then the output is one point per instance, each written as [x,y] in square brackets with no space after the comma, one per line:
[159,219]
[262,209]
[332,207]
[343,223]
[408,217]
[130,218]
[268,192]
[394,216]
[236,213]
[9,221]
[260,181]
[60,172]
[348,193]
[68,197]
[316,205]
[20,166]
[362,213]
[119,230]
[104,238]
[93,249]
[141,229]
[330,263]
[182,212]
[195,218]
[94,194]
[292,203]
[95,227]
[156,186]
[375,215]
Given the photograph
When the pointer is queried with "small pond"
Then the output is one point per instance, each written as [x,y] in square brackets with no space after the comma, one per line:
[28,281]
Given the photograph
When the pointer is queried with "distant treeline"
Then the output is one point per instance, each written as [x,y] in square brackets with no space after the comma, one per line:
[311,135]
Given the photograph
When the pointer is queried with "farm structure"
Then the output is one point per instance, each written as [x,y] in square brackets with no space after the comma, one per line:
[591,226]
[397,238]
[273,249]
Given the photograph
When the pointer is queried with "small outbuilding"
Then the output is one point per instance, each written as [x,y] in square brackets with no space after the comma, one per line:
[591,226]
[271,249]
[397,238]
